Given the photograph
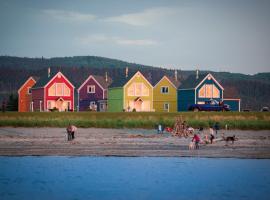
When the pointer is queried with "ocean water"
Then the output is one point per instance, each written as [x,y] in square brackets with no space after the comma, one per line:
[53,177]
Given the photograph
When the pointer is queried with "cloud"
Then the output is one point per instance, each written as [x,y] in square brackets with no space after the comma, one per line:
[69,16]
[144,18]
[145,42]
[100,38]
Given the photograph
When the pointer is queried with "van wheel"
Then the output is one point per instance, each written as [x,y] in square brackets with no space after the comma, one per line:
[195,110]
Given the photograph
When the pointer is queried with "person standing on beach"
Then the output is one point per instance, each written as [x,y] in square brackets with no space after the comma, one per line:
[196,139]
[71,131]
[212,137]
[216,127]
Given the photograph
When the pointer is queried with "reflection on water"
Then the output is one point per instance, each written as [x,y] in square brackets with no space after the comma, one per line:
[133,178]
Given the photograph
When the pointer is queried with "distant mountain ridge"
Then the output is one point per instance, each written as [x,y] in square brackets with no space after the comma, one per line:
[254,90]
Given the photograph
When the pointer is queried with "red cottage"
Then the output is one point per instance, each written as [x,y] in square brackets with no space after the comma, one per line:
[53,93]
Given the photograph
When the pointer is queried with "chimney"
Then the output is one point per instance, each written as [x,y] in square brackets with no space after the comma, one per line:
[197,74]
[126,72]
[49,72]
[106,77]
[175,75]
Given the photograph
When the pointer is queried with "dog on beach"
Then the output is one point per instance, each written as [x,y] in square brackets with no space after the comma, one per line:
[191,145]
[230,138]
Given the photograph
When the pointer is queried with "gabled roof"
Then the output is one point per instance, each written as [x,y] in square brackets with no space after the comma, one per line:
[44,80]
[99,79]
[120,82]
[30,78]
[191,82]
[171,80]
[138,72]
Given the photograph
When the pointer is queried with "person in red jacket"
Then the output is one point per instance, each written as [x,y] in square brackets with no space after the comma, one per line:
[196,139]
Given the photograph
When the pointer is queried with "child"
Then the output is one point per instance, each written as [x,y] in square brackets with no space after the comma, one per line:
[196,139]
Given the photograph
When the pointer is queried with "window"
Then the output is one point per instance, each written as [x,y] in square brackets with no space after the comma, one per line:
[29,90]
[66,90]
[166,107]
[145,90]
[216,93]
[138,89]
[202,92]
[164,90]
[131,89]
[209,91]
[91,89]
[103,106]
[59,89]
[52,90]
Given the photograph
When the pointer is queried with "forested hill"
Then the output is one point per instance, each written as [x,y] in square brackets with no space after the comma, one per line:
[254,90]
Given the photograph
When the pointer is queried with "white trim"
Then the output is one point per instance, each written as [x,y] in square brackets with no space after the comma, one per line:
[195,93]
[90,91]
[168,110]
[78,106]
[40,103]
[28,90]
[56,76]
[26,82]
[44,99]
[90,76]
[206,78]
[239,104]
[232,99]
[167,79]
[31,106]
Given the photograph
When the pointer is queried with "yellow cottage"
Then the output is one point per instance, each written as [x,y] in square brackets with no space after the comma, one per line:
[138,94]
[165,95]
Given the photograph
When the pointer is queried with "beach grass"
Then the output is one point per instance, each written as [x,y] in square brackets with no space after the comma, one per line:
[234,120]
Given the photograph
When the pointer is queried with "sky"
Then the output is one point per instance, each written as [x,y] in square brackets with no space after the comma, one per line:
[216,35]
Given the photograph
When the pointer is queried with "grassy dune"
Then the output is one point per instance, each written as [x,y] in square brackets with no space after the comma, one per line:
[234,120]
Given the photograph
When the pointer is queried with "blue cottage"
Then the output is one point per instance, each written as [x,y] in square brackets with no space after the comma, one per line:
[197,90]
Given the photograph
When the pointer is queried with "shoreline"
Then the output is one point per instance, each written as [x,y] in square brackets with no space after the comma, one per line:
[127,143]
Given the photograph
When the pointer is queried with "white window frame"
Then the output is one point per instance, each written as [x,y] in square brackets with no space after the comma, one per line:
[28,90]
[161,90]
[92,87]
[164,107]
[212,92]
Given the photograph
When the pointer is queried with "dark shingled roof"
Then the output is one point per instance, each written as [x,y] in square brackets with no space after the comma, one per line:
[102,81]
[175,82]
[120,82]
[191,81]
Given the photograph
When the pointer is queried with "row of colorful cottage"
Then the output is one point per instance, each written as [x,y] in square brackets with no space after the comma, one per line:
[131,93]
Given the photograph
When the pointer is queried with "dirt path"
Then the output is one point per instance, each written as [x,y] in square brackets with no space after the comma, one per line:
[126,142]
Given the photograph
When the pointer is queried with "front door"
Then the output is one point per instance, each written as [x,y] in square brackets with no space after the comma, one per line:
[138,105]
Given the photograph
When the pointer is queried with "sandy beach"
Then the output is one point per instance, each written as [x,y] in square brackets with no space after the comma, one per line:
[126,142]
